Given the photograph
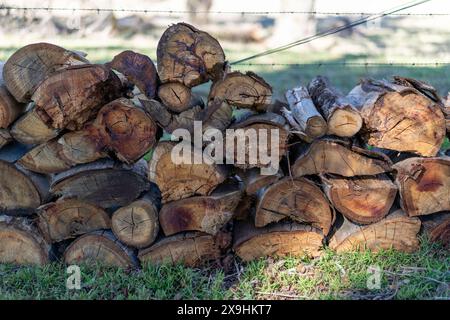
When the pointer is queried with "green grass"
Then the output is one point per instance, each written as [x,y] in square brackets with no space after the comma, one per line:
[421,275]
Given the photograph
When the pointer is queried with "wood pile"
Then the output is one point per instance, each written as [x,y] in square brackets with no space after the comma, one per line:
[86,174]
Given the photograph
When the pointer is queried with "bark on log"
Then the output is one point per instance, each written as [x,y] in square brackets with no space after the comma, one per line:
[400,117]
[338,157]
[437,227]
[70,218]
[424,185]
[10,109]
[30,65]
[21,243]
[189,56]
[5,138]
[100,247]
[138,69]
[303,114]
[342,117]
[242,90]
[105,183]
[277,240]
[178,180]
[296,199]
[68,98]
[363,200]
[397,231]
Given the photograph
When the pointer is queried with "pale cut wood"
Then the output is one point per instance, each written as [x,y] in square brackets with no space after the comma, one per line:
[298,199]
[5,137]
[277,240]
[30,65]
[100,247]
[338,157]
[363,200]
[10,109]
[437,227]
[21,243]
[424,185]
[396,231]
[69,218]
[342,117]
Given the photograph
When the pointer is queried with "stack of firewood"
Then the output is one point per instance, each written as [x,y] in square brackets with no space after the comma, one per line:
[87,173]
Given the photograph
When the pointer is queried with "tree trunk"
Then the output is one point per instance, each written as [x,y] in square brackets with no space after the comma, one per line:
[21,243]
[342,117]
[363,200]
[424,185]
[30,65]
[5,138]
[179,181]
[276,240]
[104,183]
[242,90]
[100,247]
[338,157]
[70,218]
[399,117]
[437,227]
[306,119]
[397,231]
[10,109]
[298,199]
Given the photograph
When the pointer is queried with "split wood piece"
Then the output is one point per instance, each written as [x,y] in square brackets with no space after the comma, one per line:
[21,243]
[137,224]
[30,65]
[296,199]
[5,138]
[31,129]
[105,183]
[437,227]
[70,97]
[338,157]
[342,117]
[189,56]
[303,115]
[242,90]
[139,69]
[249,150]
[277,240]
[424,185]
[178,179]
[399,118]
[396,231]
[192,249]
[363,200]
[10,109]
[207,214]
[100,247]
[253,180]
[70,218]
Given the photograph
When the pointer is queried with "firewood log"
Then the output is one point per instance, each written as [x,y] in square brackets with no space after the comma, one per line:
[5,137]
[397,231]
[138,69]
[175,96]
[100,247]
[207,214]
[400,117]
[338,157]
[298,199]
[446,111]
[254,181]
[137,224]
[242,90]
[437,227]
[21,243]
[70,218]
[70,97]
[424,185]
[178,180]
[10,109]
[342,117]
[104,183]
[31,129]
[276,240]
[189,56]
[29,66]
[363,200]
[120,127]
[303,115]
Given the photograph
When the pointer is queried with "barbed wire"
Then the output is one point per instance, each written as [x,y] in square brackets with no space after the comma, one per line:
[325,13]
[350,64]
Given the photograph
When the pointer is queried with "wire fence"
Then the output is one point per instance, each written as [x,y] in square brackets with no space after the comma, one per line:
[350,64]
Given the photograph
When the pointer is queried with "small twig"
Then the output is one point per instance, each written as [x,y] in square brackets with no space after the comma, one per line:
[284,295]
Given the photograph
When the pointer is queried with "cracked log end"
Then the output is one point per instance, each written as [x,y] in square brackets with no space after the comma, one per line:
[10,109]
[31,129]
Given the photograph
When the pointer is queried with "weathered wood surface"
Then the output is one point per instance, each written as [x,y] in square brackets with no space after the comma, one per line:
[437,227]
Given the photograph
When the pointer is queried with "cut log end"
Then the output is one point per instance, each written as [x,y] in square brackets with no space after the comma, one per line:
[345,122]
[175,96]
